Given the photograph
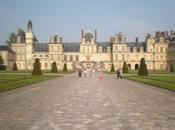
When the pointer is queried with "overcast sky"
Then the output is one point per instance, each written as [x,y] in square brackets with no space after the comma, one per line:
[134,18]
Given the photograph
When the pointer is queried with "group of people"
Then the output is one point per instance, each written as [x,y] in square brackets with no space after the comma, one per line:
[89,73]
[85,72]
[119,73]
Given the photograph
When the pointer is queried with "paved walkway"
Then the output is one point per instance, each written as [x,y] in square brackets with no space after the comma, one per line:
[70,103]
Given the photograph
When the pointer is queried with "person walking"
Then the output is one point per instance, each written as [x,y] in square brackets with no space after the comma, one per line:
[118,73]
[79,73]
[85,73]
[101,76]
[121,74]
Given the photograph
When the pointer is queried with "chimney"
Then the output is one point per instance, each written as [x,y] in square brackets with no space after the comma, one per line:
[18,39]
[95,35]
[82,33]
[157,34]
[61,39]
[166,34]
[137,41]
[163,34]
[171,32]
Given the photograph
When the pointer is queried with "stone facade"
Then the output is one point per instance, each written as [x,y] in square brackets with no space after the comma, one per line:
[8,56]
[158,51]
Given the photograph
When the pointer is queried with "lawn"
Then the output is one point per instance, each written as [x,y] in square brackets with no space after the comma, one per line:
[8,82]
[150,72]
[166,81]
[109,72]
[29,72]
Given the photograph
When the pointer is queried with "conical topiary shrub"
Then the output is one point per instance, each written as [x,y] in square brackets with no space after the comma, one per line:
[112,68]
[37,67]
[143,68]
[125,68]
[65,67]
[54,68]
[15,67]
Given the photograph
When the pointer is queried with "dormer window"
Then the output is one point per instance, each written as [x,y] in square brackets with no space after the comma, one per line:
[88,37]
[99,49]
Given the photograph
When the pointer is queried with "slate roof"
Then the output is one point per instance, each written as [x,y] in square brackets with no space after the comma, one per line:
[104,45]
[6,48]
[41,47]
[71,46]
[134,44]
[75,46]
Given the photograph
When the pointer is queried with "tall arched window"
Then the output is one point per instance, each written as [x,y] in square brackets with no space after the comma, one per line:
[129,66]
[136,66]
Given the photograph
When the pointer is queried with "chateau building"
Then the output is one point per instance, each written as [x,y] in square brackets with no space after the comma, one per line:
[158,51]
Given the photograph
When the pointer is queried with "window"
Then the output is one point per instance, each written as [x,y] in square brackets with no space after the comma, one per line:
[161,57]
[71,58]
[65,57]
[58,57]
[123,48]
[116,56]
[51,48]
[87,49]
[83,50]
[92,48]
[51,56]
[137,57]
[157,49]
[123,56]
[58,49]
[161,49]
[99,49]
[161,66]
[116,48]
[77,58]
[108,49]
[45,65]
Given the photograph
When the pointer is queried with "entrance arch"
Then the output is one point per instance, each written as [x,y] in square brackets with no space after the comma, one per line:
[136,66]
[129,66]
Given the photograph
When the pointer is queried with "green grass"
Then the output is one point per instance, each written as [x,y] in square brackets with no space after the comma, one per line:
[29,72]
[152,72]
[8,82]
[149,71]
[59,72]
[166,81]
[109,72]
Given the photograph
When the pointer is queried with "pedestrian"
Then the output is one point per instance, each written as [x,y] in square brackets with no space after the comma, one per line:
[79,73]
[121,74]
[85,73]
[101,76]
[118,73]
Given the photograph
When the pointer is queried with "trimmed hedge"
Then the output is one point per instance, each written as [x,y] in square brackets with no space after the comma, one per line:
[143,68]
[65,67]
[54,68]
[37,67]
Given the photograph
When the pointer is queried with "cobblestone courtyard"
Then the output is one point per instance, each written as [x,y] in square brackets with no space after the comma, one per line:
[72,103]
